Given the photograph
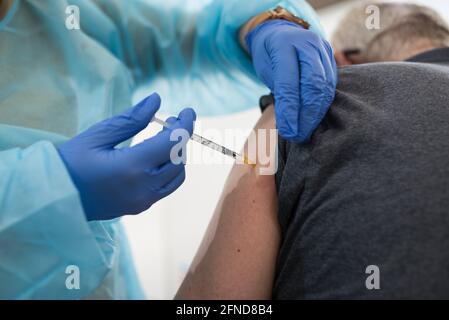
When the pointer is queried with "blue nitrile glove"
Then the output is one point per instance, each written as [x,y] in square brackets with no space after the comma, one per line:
[113,182]
[299,68]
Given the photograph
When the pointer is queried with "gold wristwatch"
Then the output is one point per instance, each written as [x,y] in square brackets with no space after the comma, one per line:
[278,13]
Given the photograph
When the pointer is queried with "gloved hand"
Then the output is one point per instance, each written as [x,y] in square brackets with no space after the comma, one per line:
[299,68]
[114,182]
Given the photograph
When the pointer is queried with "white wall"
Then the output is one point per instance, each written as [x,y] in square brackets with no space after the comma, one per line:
[165,239]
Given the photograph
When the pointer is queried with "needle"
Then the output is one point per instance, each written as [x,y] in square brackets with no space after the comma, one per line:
[210,144]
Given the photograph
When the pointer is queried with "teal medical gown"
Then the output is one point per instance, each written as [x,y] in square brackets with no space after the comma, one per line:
[56,82]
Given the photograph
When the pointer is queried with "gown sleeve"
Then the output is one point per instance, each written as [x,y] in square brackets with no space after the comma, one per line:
[189,53]
[43,231]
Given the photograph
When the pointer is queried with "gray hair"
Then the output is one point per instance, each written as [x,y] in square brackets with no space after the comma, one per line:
[403,26]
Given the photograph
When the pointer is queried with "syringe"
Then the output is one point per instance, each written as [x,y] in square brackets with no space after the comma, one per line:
[210,144]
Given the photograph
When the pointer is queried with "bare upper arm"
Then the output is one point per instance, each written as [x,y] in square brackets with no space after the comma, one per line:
[237,257]
[5,5]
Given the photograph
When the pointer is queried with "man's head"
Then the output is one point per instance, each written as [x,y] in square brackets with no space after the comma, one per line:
[405,30]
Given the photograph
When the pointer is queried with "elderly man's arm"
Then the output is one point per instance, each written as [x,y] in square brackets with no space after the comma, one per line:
[238,255]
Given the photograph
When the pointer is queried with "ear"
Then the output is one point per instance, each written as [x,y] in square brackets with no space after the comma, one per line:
[341,59]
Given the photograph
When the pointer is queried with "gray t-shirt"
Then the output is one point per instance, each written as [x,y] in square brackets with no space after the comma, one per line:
[371,189]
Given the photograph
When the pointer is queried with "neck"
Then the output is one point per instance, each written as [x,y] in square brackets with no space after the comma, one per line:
[414,48]
[416,51]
